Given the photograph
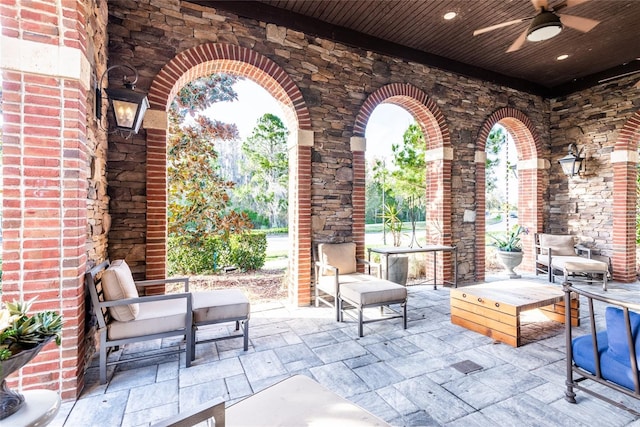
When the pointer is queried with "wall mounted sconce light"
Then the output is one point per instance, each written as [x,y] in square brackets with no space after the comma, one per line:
[573,163]
[127,105]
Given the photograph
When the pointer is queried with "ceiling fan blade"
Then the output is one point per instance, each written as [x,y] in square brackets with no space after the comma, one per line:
[568,3]
[495,27]
[519,42]
[540,4]
[578,23]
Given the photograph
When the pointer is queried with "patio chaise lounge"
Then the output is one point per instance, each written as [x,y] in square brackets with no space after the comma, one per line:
[560,253]
[125,317]
[337,277]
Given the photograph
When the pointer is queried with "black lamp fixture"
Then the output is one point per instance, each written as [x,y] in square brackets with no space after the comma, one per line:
[573,163]
[128,105]
[544,26]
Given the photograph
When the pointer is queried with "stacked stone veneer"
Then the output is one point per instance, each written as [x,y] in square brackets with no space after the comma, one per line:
[340,87]
[599,206]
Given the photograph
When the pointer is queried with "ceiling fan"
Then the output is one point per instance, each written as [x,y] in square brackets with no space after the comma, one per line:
[547,23]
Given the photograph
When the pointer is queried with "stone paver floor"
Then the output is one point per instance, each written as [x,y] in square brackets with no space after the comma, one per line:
[406,377]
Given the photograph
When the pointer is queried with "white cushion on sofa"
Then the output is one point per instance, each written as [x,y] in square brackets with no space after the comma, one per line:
[117,284]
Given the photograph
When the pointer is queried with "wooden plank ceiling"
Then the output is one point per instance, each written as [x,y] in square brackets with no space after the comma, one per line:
[417,31]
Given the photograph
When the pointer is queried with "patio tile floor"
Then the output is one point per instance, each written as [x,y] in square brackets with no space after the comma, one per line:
[405,377]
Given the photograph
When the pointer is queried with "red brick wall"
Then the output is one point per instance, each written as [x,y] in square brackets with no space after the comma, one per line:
[45,165]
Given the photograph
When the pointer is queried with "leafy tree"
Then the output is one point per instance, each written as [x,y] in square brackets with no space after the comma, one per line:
[495,143]
[198,198]
[268,167]
[410,175]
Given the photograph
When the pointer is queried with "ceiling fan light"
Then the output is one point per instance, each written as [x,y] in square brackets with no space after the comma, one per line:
[544,26]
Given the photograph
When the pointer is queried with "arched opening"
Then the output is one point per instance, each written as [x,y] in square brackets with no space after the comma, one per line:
[219,58]
[501,193]
[531,173]
[438,158]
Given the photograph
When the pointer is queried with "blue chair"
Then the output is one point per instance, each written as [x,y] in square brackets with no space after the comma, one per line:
[608,357]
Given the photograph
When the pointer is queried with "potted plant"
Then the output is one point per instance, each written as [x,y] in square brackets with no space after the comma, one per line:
[399,264]
[509,248]
[21,338]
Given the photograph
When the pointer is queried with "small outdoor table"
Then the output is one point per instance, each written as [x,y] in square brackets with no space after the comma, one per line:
[493,309]
[386,251]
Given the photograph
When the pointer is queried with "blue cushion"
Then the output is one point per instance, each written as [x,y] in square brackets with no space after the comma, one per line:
[610,368]
[617,334]
[583,351]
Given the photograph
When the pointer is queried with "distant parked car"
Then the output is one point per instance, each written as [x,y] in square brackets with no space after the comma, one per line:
[513,215]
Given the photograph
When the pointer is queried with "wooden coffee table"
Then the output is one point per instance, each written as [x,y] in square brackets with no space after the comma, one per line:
[493,309]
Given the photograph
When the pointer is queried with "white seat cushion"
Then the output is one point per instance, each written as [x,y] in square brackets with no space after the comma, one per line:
[373,292]
[153,318]
[117,284]
[219,305]
[576,264]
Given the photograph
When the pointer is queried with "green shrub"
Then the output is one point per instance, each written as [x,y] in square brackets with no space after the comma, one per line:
[246,251]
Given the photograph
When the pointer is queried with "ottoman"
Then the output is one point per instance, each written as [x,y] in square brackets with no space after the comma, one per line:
[373,293]
[575,266]
[221,306]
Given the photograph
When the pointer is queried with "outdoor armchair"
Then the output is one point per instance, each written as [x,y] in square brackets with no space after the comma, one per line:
[124,317]
[336,264]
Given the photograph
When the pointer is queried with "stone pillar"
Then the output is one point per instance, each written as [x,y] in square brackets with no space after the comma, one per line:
[358,148]
[45,84]
[625,164]
[300,263]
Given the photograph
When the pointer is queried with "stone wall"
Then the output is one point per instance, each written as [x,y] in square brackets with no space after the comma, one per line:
[584,206]
[334,80]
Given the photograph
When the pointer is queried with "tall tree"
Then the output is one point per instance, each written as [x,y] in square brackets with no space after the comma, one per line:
[268,166]
[410,175]
[198,198]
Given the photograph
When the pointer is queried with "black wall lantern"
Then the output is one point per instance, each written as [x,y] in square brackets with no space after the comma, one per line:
[127,105]
[573,163]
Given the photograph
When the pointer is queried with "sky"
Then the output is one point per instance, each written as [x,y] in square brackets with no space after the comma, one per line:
[386,125]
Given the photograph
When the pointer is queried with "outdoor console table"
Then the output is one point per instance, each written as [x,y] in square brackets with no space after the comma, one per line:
[493,309]
[385,252]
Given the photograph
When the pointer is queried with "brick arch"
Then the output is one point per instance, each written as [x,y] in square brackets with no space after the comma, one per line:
[625,170]
[438,191]
[530,201]
[218,58]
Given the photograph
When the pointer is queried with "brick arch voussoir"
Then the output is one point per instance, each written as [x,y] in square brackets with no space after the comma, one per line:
[417,102]
[519,125]
[628,137]
[192,63]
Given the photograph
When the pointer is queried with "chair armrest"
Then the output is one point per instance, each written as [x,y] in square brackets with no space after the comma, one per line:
[153,282]
[372,265]
[327,267]
[582,249]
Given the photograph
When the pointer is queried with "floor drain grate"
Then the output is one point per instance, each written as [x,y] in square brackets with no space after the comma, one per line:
[467,366]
